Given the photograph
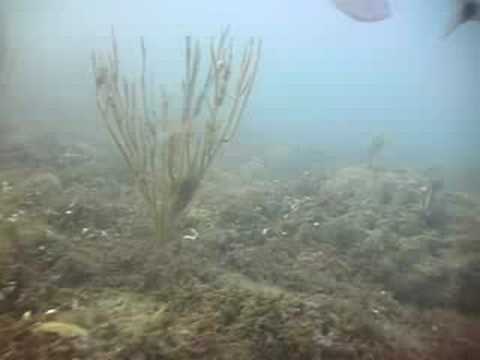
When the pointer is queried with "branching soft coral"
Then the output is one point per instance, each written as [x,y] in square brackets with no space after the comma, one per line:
[169,153]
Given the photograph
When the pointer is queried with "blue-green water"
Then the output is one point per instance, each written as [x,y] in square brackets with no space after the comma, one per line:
[325,79]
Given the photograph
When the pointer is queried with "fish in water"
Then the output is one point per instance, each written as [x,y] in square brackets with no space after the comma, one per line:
[365,10]
[467,10]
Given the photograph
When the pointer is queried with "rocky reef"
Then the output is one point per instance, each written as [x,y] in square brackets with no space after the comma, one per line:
[344,264]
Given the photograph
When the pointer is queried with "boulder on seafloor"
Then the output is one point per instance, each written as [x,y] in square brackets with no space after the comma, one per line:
[468,279]
[42,185]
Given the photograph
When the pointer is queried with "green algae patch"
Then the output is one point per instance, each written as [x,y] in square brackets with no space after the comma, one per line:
[61,329]
[235,318]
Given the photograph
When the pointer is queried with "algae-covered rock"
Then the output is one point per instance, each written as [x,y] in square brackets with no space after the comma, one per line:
[43,185]
[468,278]
[427,282]
[410,225]
[9,202]
[234,318]
[9,264]
[343,233]
[20,341]
[7,236]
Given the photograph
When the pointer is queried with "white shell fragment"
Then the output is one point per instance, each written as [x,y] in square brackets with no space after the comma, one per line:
[192,236]
[27,315]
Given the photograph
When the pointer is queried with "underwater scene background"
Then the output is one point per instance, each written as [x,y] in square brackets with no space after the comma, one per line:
[239,180]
